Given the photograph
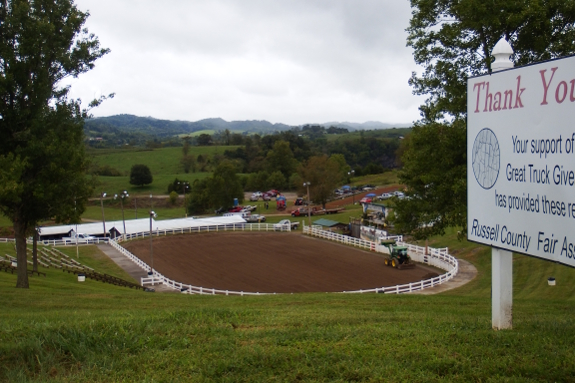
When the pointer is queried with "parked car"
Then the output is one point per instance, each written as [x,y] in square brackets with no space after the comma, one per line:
[385,196]
[250,208]
[80,238]
[273,192]
[236,209]
[266,197]
[255,218]
[399,194]
[254,197]
[299,202]
[286,223]
[365,200]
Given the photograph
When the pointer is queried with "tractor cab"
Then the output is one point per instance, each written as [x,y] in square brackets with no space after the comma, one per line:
[398,256]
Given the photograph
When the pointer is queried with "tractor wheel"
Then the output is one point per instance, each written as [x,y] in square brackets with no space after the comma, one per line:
[394,263]
[386,262]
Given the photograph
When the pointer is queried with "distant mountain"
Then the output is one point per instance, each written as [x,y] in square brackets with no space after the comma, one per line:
[135,128]
[369,125]
[163,128]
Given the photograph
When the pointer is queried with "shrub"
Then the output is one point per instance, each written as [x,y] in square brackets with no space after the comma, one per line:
[173,197]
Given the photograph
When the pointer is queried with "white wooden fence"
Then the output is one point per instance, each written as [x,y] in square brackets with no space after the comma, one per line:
[59,242]
[439,258]
[158,278]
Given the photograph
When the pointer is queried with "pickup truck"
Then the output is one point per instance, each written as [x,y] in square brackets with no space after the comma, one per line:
[255,218]
[82,238]
[303,211]
[286,223]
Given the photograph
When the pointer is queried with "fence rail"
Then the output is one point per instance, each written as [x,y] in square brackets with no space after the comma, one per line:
[439,258]
[158,278]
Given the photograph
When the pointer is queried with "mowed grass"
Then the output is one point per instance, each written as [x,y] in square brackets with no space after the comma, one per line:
[64,331]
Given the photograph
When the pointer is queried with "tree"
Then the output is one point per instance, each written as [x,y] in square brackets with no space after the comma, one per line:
[323,174]
[42,158]
[277,180]
[189,163]
[224,185]
[216,191]
[281,158]
[204,139]
[186,146]
[453,40]
[140,175]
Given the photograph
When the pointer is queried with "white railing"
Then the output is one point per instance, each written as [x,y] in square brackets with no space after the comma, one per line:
[439,258]
[60,242]
[157,278]
[209,229]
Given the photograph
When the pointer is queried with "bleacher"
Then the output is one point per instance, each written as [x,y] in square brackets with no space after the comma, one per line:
[52,257]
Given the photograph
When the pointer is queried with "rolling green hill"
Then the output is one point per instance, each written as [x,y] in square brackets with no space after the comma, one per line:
[164,164]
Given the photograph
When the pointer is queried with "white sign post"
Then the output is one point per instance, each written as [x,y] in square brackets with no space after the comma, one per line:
[521,167]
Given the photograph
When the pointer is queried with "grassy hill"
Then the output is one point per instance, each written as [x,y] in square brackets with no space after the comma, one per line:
[164,164]
[62,331]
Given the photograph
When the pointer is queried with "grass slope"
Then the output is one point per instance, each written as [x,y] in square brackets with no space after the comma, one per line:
[64,331]
[164,164]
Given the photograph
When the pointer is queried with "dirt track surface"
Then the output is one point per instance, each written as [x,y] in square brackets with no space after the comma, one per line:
[269,262]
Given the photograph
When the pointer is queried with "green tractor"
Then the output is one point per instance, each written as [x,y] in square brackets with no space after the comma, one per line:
[398,257]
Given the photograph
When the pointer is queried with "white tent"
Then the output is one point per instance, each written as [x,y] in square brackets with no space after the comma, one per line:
[136,226]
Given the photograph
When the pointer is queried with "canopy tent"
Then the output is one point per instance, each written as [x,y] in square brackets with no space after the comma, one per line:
[114,228]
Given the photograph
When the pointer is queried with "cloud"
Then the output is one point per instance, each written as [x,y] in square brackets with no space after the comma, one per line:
[285,61]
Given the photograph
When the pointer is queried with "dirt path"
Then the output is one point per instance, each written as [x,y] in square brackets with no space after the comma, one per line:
[270,262]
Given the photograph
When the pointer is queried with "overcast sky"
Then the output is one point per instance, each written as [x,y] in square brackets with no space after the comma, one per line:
[288,61]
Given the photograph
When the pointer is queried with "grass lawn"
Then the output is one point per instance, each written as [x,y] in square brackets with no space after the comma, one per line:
[64,331]
[160,161]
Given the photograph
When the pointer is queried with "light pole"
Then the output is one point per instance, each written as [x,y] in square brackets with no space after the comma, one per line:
[122,196]
[152,215]
[185,186]
[308,203]
[102,196]
[350,174]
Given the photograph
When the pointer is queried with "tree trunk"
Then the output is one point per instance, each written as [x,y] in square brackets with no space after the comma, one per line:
[35,251]
[20,235]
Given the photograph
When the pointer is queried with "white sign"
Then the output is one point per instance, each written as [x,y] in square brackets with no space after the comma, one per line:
[521,160]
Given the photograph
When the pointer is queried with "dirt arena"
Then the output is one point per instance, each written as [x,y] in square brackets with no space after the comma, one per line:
[270,262]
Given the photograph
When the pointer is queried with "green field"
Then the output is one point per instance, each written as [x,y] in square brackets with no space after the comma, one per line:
[64,331]
[198,133]
[164,164]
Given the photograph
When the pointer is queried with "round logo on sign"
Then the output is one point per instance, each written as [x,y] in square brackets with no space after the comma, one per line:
[485,158]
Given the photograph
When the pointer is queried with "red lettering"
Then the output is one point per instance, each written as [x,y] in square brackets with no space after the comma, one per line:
[497,103]
[488,96]
[546,84]
[508,93]
[558,98]
[518,93]
[479,85]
